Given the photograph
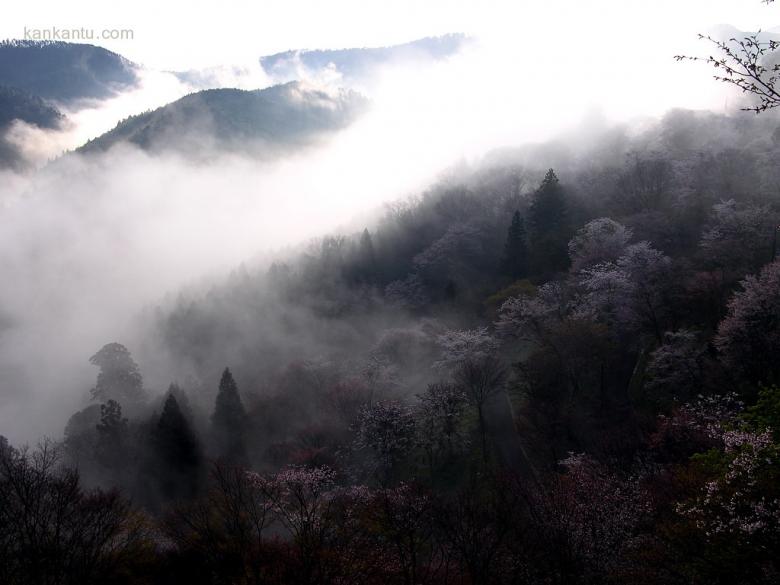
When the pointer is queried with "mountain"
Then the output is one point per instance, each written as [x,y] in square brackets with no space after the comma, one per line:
[286,115]
[17,104]
[64,72]
[357,62]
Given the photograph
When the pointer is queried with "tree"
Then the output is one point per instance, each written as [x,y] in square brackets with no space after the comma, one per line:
[746,64]
[119,378]
[439,414]
[302,501]
[676,367]
[386,431]
[600,240]
[549,226]
[111,433]
[587,517]
[470,354]
[633,291]
[734,517]
[176,454]
[366,258]
[229,420]
[739,239]
[514,262]
[401,520]
[54,531]
[224,530]
[748,337]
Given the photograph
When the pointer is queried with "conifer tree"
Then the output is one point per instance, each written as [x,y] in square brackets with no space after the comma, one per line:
[177,453]
[514,262]
[549,227]
[229,421]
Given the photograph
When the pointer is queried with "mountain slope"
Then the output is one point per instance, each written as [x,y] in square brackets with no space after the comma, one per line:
[356,62]
[234,119]
[17,104]
[64,72]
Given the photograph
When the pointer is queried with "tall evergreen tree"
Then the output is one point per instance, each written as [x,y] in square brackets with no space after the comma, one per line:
[176,453]
[229,421]
[514,262]
[549,226]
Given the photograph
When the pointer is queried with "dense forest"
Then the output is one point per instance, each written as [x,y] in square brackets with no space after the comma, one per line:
[558,365]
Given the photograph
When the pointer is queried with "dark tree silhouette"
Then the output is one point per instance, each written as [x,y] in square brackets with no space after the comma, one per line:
[176,454]
[229,421]
[549,226]
[514,262]
[111,430]
[119,378]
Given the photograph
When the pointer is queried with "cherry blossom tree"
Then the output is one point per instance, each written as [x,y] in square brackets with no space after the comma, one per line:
[748,338]
[386,432]
[736,512]
[302,501]
[633,291]
[590,516]
[600,240]
[439,426]
[740,237]
[530,318]
[677,365]
[471,357]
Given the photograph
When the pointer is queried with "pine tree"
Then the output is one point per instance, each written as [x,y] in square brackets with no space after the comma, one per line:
[549,226]
[176,452]
[229,421]
[365,260]
[514,262]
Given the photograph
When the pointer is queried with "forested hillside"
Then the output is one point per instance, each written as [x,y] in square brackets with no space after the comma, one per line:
[64,72]
[17,104]
[558,365]
[263,121]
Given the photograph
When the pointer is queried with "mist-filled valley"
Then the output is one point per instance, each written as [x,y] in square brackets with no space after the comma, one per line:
[499,306]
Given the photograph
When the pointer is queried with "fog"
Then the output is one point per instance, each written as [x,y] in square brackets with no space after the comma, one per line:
[88,243]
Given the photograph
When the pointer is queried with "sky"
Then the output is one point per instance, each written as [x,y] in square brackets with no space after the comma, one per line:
[198,33]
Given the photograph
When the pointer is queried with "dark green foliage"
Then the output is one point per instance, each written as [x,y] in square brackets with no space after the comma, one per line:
[765,413]
[514,262]
[229,421]
[549,226]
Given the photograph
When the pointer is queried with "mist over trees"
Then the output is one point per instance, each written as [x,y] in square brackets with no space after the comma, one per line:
[555,366]
[563,378]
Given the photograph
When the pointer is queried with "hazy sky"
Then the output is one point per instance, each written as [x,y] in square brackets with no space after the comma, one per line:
[178,34]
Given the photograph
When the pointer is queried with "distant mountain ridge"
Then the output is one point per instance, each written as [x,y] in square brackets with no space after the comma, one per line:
[355,62]
[65,72]
[286,115]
